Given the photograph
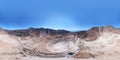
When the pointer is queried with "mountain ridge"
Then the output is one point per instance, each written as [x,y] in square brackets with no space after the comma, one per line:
[91,33]
[54,43]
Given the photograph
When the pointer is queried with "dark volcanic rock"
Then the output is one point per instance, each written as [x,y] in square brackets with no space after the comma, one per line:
[88,35]
[37,32]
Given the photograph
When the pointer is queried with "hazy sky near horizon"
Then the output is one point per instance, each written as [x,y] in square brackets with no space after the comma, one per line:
[59,14]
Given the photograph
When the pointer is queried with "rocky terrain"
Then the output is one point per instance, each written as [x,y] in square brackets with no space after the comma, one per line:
[97,43]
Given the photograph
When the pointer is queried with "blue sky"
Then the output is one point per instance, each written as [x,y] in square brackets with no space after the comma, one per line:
[59,14]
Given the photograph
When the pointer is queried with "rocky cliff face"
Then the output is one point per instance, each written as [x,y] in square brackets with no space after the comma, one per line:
[51,42]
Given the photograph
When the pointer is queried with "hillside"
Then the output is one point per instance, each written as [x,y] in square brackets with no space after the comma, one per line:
[98,43]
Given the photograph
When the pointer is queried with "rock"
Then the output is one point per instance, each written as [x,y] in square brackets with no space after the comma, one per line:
[39,38]
[83,55]
[8,48]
